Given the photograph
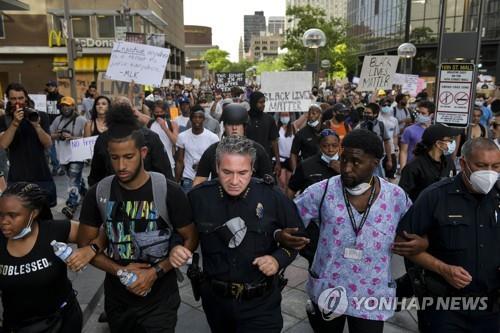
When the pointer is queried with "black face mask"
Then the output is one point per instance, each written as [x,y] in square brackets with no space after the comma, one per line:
[67,113]
[339,117]
[369,118]
[315,93]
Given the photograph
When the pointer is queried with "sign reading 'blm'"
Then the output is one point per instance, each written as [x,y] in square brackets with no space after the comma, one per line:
[377,73]
[287,91]
[225,81]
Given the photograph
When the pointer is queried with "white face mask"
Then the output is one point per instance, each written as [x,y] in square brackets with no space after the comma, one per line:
[451,148]
[313,123]
[285,120]
[26,230]
[358,189]
[482,181]
[328,159]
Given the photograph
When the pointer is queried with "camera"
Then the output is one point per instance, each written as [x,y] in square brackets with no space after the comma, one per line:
[31,114]
[61,136]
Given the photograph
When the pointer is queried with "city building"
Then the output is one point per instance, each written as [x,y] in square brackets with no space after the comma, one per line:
[241,52]
[276,25]
[264,46]
[32,47]
[253,25]
[198,40]
[332,8]
[380,26]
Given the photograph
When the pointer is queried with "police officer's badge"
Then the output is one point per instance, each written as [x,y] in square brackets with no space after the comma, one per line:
[259,211]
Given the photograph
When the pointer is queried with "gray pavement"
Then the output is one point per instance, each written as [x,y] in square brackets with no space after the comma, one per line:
[191,318]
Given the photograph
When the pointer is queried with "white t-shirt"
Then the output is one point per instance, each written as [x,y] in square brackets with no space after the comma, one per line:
[182,122]
[284,145]
[194,146]
[391,125]
[155,127]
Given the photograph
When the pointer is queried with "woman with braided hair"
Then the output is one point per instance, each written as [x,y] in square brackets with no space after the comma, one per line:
[37,295]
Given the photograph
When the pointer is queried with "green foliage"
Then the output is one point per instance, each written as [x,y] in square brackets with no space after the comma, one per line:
[271,65]
[338,49]
[217,59]
[422,35]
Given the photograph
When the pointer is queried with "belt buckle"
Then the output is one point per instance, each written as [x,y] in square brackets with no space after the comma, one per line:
[237,290]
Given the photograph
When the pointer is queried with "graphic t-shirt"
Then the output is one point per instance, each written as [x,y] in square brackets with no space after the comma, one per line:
[134,213]
[35,285]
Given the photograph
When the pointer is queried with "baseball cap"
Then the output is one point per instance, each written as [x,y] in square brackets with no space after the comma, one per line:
[437,132]
[51,83]
[67,100]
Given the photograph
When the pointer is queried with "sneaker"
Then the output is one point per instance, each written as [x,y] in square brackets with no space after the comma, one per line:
[68,212]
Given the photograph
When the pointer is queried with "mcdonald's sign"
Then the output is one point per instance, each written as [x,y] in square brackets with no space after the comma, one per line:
[56,38]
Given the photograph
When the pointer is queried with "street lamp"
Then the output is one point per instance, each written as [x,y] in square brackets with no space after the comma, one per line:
[407,51]
[325,64]
[314,39]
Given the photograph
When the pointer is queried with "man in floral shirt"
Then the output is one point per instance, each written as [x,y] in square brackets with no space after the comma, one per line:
[351,273]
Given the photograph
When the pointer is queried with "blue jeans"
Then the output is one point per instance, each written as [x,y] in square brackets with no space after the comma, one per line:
[54,162]
[186,184]
[75,183]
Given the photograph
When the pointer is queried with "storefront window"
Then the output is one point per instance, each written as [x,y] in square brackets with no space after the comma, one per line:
[81,26]
[106,26]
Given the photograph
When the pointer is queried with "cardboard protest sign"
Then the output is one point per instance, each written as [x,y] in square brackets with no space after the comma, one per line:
[408,83]
[225,81]
[82,149]
[40,101]
[287,91]
[377,73]
[112,89]
[140,63]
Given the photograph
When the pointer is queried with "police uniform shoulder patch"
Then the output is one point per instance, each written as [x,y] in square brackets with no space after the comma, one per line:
[259,211]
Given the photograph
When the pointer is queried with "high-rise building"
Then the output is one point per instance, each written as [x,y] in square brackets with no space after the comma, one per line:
[276,25]
[241,53]
[198,40]
[32,46]
[332,8]
[380,26]
[265,46]
[253,25]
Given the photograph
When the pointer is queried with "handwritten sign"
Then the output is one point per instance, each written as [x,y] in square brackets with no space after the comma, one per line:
[82,149]
[377,72]
[40,101]
[287,91]
[112,89]
[408,83]
[142,64]
[225,81]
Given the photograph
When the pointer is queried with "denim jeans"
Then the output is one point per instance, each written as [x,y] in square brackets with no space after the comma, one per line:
[186,184]
[54,162]
[75,183]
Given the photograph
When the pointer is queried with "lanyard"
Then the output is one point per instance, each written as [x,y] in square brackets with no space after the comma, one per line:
[356,228]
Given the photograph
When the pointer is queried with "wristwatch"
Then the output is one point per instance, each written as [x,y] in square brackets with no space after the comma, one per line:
[95,248]
[159,271]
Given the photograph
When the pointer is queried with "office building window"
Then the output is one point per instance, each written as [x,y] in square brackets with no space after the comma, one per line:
[105,26]
[81,26]
[2,27]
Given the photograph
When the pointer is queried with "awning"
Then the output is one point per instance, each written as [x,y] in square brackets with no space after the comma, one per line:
[13,5]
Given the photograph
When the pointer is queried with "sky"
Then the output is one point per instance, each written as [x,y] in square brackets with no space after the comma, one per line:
[225,17]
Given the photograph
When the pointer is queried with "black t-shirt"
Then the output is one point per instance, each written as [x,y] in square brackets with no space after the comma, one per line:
[35,285]
[263,130]
[26,152]
[306,142]
[310,171]
[137,214]
[207,164]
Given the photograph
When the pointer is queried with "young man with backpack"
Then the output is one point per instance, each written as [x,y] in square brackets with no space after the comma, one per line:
[140,212]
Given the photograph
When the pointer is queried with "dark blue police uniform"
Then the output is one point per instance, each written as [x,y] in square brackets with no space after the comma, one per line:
[236,295]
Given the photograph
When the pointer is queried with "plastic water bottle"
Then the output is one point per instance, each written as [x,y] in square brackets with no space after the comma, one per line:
[126,277]
[62,250]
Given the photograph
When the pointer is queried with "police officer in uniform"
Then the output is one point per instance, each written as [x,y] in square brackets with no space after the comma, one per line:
[460,217]
[236,217]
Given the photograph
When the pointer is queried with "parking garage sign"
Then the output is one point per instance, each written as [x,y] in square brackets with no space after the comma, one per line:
[454,101]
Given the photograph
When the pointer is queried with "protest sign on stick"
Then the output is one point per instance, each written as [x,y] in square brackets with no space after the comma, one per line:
[225,81]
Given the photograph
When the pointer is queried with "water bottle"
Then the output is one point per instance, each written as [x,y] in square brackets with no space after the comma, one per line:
[310,307]
[126,277]
[62,250]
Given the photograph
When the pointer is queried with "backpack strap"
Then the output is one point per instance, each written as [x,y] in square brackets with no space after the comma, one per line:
[160,196]
[103,193]
[322,200]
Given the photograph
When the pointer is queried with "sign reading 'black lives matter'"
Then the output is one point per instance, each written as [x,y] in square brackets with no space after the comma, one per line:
[287,91]
[225,81]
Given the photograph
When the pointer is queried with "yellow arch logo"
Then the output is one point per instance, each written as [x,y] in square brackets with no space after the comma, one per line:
[55,36]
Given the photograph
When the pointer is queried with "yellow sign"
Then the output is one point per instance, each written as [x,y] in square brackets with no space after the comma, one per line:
[55,36]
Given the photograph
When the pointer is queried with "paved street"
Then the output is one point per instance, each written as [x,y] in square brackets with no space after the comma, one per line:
[191,318]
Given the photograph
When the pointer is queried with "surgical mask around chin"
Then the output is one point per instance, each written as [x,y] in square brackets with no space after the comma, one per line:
[358,189]
[25,231]
[313,123]
[482,181]
[450,148]
[328,159]
[421,119]
[285,120]
[479,102]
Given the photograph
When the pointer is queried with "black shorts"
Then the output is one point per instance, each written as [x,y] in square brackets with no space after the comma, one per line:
[286,165]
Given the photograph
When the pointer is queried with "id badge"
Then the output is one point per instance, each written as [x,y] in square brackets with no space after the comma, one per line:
[354,254]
